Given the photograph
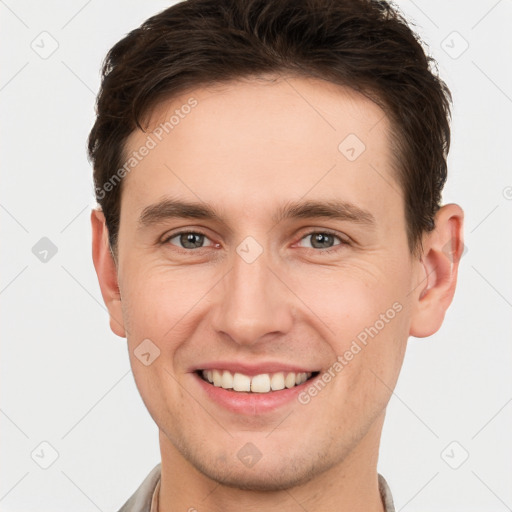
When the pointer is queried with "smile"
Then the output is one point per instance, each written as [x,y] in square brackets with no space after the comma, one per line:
[262,383]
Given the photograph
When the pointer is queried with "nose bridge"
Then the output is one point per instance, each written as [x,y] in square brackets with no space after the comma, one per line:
[252,302]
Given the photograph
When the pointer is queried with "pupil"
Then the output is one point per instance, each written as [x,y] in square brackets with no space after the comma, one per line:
[189,238]
[322,238]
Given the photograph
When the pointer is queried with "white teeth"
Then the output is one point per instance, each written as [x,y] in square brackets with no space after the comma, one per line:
[277,381]
[217,378]
[300,378]
[227,380]
[262,383]
[241,382]
[289,382]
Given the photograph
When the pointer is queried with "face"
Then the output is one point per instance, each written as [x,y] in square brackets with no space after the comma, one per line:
[293,260]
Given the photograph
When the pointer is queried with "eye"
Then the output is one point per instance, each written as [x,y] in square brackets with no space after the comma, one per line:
[188,240]
[323,240]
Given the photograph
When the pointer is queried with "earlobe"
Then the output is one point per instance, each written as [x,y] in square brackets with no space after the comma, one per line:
[106,271]
[442,252]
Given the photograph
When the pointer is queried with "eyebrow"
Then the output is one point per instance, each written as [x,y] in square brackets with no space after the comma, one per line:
[330,209]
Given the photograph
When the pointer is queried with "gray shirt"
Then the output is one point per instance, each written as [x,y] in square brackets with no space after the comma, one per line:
[145,498]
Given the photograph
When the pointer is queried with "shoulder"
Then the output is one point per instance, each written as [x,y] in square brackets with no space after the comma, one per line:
[140,501]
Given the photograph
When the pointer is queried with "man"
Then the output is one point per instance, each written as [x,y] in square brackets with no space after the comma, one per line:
[269,234]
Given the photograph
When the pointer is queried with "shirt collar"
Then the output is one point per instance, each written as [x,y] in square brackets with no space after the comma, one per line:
[385,494]
[154,500]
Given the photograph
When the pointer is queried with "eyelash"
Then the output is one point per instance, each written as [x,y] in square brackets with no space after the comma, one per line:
[323,232]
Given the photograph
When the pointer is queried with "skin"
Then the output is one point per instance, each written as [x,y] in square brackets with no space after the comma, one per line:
[246,149]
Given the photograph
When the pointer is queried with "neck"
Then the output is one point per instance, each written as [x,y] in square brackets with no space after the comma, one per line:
[349,485]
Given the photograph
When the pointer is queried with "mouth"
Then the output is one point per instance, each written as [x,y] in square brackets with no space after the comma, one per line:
[263,383]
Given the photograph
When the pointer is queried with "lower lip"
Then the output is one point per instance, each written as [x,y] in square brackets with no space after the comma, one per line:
[251,404]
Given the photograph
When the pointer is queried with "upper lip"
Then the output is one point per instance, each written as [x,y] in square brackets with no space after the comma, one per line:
[254,369]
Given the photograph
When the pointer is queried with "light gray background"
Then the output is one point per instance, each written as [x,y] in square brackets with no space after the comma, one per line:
[66,378]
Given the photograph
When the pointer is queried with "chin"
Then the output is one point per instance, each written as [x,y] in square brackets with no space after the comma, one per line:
[267,475]
[259,480]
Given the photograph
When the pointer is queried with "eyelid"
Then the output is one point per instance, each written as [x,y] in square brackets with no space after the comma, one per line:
[344,240]
[165,239]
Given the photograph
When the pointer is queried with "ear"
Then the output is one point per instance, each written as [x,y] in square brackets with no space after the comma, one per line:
[106,271]
[442,251]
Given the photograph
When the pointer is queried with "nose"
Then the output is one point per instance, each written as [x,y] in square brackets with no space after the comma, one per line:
[253,302]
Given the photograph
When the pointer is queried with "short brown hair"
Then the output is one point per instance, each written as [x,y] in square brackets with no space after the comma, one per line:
[364,44]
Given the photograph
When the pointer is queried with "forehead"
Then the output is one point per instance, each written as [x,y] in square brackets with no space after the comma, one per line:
[253,143]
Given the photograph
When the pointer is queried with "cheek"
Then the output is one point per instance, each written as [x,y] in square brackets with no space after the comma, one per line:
[155,313]
[373,349]
[159,390]
[156,300]
[367,329]
[349,302]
